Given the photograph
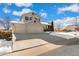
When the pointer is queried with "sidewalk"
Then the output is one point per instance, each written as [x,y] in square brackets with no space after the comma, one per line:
[24,44]
[35,51]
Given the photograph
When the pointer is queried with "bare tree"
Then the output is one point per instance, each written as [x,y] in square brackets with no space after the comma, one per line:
[5,22]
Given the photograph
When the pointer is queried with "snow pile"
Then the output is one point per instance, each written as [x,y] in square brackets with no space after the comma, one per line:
[5,46]
[66,35]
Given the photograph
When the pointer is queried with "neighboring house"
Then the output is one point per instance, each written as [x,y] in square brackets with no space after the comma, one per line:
[72,27]
[29,23]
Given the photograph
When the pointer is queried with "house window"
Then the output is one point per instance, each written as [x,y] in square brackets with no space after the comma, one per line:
[26,18]
[34,21]
[32,13]
[39,19]
[30,18]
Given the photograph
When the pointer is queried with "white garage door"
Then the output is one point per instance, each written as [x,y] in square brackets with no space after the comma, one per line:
[19,28]
[34,28]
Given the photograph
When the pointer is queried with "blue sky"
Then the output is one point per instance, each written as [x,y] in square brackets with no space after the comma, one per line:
[47,11]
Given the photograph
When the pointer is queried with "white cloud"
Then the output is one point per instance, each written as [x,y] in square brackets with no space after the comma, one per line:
[72,8]
[57,23]
[23,4]
[43,14]
[19,13]
[6,10]
[66,21]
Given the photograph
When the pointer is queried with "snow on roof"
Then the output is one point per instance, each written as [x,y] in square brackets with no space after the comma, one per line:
[45,23]
[15,22]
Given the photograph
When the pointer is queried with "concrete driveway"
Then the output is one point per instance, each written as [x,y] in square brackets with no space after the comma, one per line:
[51,44]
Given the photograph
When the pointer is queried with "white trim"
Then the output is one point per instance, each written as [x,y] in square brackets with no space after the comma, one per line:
[45,23]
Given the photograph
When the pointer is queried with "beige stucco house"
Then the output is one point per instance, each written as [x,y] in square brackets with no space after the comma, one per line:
[29,23]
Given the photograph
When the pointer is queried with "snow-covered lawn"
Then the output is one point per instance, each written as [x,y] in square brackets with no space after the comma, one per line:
[5,46]
[67,35]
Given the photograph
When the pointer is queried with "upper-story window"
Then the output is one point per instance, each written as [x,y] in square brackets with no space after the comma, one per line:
[30,18]
[26,18]
[39,20]
[34,21]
